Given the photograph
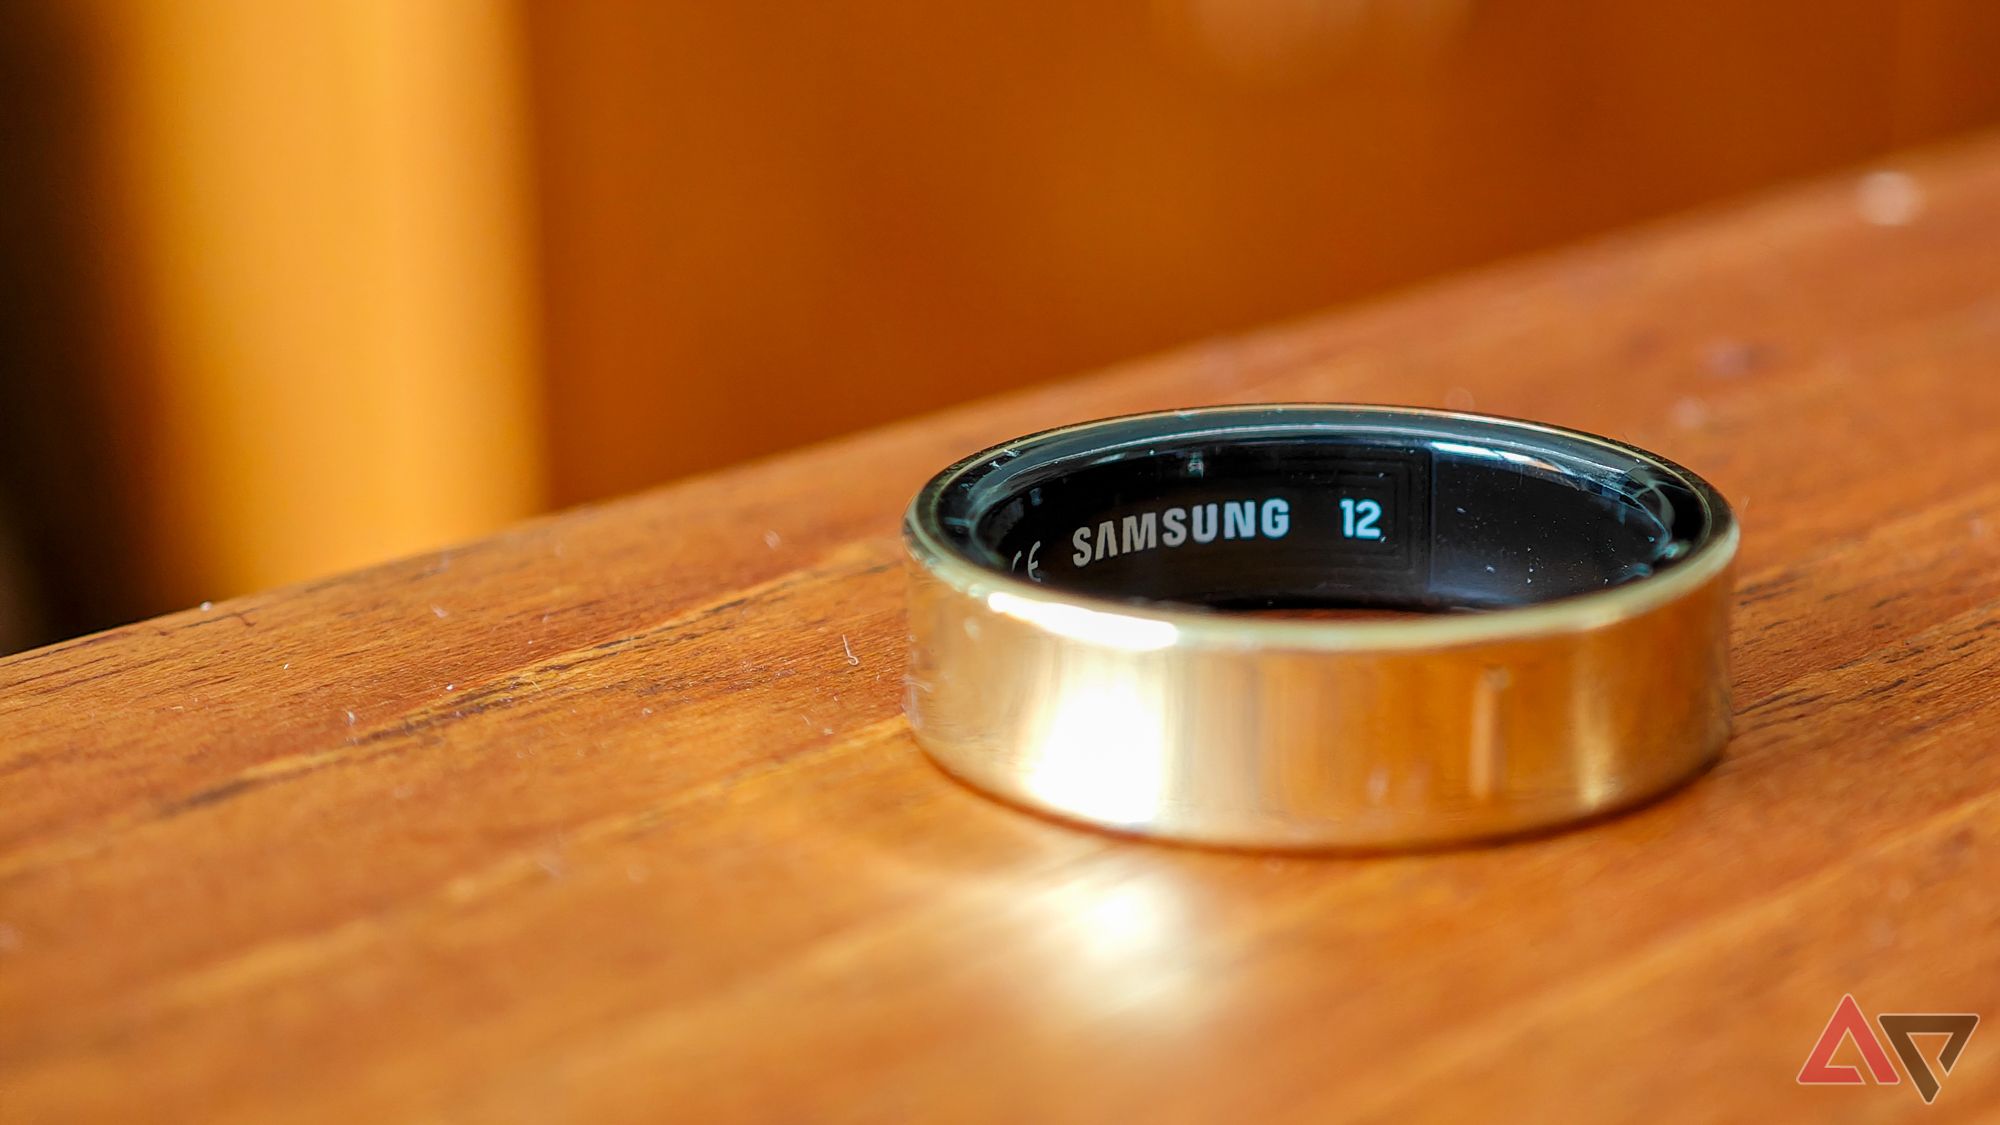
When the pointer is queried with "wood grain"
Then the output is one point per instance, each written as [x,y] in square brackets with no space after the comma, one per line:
[613,817]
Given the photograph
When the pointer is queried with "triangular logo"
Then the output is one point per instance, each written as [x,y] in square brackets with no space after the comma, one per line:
[1899,1028]
[1848,1022]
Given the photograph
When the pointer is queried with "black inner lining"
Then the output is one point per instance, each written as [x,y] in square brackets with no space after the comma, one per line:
[1473,518]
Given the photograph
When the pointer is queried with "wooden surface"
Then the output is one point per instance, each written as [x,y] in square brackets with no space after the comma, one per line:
[613,817]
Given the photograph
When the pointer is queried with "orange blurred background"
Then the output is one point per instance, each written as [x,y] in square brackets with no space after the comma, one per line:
[291,288]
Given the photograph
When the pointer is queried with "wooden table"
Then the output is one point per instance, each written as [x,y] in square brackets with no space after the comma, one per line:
[614,816]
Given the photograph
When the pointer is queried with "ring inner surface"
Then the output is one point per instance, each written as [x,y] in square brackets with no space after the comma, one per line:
[1321,516]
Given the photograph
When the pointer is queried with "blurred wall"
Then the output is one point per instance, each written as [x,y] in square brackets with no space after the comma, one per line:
[765,224]
[279,257]
[58,513]
[323,293]
[294,287]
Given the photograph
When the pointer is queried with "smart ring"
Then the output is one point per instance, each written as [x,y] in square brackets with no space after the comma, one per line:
[1153,624]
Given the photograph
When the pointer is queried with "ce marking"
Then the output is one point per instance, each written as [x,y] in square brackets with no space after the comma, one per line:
[1034,565]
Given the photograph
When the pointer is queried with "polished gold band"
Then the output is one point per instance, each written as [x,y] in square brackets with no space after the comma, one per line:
[1238,730]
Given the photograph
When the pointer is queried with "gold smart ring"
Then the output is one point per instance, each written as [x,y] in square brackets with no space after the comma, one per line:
[1148,624]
